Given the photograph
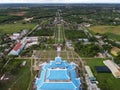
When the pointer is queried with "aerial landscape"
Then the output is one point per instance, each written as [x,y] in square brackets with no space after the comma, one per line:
[60,45]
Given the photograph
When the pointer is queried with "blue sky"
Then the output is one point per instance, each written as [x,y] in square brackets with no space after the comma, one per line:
[59,1]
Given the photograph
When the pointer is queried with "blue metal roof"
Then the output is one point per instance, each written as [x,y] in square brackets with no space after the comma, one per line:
[58,86]
[58,59]
[58,75]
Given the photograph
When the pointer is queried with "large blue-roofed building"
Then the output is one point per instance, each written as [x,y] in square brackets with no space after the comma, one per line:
[58,75]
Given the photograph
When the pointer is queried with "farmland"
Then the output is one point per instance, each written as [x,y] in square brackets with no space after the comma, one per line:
[106,80]
[110,31]
[105,29]
[10,28]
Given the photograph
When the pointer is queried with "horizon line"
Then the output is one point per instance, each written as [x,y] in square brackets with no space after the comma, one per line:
[60,3]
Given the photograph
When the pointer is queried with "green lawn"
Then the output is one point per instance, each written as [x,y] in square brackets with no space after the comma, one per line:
[59,34]
[19,81]
[60,27]
[10,28]
[106,80]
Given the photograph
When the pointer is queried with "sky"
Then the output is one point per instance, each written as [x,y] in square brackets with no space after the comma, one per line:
[59,1]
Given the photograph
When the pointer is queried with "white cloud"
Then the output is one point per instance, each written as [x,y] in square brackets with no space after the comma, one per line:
[59,1]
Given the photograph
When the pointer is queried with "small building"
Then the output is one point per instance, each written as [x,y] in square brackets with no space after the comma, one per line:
[24,32]
[83,39]
[101,55]
[101,42]
[39,28]
[115,69]
[58,75]
[86,24]
[31,44]
[28,19]
[31,41]
[117,42]
[14,36]
[23,63]
[90,74]
[18,47]
[98,36]
[69,44]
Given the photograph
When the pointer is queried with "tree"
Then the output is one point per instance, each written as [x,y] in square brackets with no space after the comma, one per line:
[117,58]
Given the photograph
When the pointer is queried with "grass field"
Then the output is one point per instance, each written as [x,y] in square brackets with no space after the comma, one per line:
[106,80]
[112,32]
[10,28]
[59,34]
[105,29]
[21,80]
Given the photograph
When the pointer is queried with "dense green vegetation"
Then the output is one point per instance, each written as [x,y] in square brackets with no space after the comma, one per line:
[74,34]
[13,67]
[117,58]
[113,36]
[89,50]
[113,43]
[43,12]
[43,32]
[9,15]
[106,80]
[4,38]
[19,76]
[8,19]
[97,15]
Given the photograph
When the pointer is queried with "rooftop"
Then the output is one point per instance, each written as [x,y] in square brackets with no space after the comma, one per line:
[17,46]
[58,75]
